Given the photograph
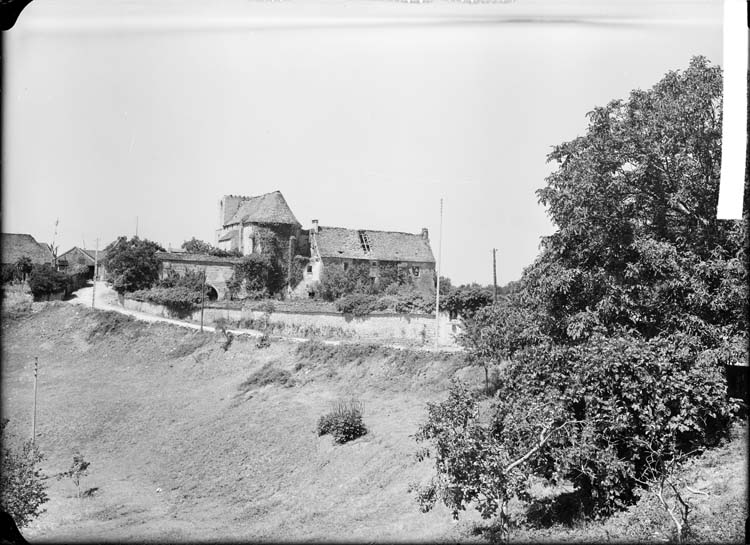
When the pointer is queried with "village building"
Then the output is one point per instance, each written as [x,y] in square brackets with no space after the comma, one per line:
[266,224]
[342,248]
[77,258]
[17,245]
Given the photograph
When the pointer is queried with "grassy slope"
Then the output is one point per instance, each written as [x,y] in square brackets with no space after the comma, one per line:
[154,406]
[182,447]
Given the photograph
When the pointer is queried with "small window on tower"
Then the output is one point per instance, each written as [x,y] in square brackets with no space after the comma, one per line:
[346,267]
[415,271]
[309,268]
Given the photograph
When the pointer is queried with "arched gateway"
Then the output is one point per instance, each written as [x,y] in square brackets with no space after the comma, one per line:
[218,270]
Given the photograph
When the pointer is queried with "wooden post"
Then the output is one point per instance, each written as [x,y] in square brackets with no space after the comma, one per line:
[292,241]
[494,273]
[33,416]
[437,285]
[96,271]
[203,296]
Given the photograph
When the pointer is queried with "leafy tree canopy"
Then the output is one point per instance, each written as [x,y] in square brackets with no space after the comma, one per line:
[132,264]
[615,335]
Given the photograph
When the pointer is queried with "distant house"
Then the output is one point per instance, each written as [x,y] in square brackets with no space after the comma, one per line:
[16,246]
[79,257]
[342,248]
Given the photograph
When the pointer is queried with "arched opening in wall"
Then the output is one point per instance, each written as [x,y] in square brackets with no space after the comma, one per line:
[211,294]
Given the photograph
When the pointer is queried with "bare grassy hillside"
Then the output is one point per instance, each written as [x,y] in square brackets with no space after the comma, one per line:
[188,441]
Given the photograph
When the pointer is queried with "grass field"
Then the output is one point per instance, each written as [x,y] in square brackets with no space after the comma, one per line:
[188,441]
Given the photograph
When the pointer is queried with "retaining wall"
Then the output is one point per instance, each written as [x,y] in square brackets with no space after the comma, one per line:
[415,328]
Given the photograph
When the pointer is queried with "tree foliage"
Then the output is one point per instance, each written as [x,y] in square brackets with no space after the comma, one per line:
[132,264]
[467,299]
[23,490]
[615,336]
[196,246]
[45,280]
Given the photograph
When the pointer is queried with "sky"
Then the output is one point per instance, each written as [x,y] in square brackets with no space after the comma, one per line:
[363,113]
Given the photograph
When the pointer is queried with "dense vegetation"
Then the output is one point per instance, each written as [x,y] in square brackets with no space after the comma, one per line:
[344,422]
[23,490]
[131,264]
[614,338]
[196,246]
[180,294]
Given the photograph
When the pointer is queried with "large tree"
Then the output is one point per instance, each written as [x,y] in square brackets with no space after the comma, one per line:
[617,331]
[132,264]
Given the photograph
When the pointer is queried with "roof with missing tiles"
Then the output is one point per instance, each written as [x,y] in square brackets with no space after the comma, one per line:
[373,245]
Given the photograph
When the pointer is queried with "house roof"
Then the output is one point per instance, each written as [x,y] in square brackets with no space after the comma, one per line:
[382,245]
[197,258]
[268,208]
[15,246]
[91,254]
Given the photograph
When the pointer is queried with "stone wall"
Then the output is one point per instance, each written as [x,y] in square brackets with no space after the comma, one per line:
[414,328]
[217,275]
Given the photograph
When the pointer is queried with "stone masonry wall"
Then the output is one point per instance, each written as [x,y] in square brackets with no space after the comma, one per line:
[414,328]
[216,275]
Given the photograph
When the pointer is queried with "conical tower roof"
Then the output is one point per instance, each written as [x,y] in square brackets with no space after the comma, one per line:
[268,208]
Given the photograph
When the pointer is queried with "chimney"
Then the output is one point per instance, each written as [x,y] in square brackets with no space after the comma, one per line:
[425,234]
[314,228]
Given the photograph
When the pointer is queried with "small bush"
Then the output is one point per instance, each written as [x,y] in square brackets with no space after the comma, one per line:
[16,301]
[344,422]
[23,489]
[358,304]
[268,374]
[415,301]
[44,280]
[181,301]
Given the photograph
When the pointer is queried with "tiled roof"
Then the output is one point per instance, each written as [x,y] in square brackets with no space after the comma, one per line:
[93,255]
[268,208]
[15,246]
[377,245]
[197,258]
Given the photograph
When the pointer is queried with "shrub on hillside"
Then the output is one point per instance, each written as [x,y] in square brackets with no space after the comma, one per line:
[344,422]
[179,300]
[591,414]
[44,280]
[360,304]
[268,374]
[412,300]
[22,486]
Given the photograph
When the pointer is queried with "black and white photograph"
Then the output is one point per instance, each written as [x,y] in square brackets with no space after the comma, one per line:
[374,271]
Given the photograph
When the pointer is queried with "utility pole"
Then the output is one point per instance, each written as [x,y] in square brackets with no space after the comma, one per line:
[437,286]
[494,273]
[52,246]
[96,271]
[33,417]
[203,296]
